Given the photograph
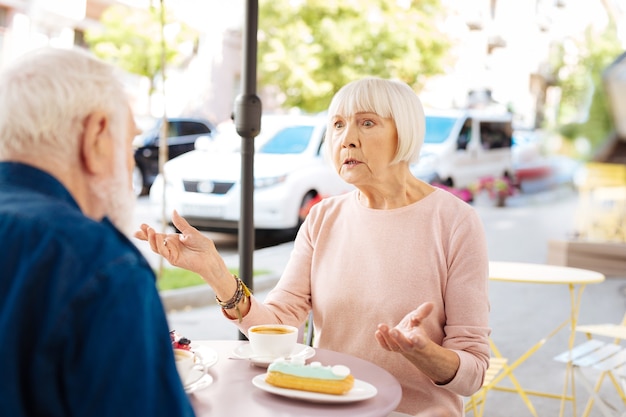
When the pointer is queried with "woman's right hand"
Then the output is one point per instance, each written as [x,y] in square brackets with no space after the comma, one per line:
[188,249]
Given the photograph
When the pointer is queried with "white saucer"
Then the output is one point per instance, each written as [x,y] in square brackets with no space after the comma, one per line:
[245,352]
[208,355]
[197,380]
[361,391]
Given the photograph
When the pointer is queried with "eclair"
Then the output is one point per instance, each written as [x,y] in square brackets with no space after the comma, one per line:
[314,377]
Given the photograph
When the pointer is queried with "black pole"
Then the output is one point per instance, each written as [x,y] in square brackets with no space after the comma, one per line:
[248,123]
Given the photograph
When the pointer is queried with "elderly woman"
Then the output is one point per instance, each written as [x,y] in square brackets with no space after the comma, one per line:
[394,271]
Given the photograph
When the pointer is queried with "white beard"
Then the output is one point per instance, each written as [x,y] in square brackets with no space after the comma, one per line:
[117,198]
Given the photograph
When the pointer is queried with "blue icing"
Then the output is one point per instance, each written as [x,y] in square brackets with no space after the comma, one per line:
[314,370]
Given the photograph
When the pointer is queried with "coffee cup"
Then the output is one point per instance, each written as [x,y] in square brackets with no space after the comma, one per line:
[272,340]
[186,362]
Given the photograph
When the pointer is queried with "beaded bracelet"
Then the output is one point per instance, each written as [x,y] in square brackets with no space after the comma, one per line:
[241,291]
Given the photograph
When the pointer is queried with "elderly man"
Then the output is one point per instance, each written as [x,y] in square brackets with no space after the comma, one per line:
[84,331]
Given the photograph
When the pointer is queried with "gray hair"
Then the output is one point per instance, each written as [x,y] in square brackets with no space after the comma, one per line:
[45,96]
[390,99]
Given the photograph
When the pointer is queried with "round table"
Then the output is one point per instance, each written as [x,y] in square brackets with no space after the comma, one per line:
[575,279]
[542,274]
[233,394]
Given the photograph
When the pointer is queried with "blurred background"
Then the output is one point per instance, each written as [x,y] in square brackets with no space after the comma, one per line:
[556,68]
[544,60]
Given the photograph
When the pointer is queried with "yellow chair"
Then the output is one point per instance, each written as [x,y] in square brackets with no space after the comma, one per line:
[476,403]
[606,358]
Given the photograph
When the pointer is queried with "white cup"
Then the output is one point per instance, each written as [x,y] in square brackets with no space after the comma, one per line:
[187,361]
[272,340]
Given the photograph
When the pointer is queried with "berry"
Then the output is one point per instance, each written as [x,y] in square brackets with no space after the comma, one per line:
[179,342]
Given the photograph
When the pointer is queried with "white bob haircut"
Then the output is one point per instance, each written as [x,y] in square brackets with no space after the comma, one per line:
[389,99]
[45,96]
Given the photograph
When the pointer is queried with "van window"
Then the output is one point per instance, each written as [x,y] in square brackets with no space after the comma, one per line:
[465,135]
[438,128]
[494,135]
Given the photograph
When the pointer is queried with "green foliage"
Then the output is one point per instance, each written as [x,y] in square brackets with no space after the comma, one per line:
[131,39]
[173,278]
[582,88]
[309,49]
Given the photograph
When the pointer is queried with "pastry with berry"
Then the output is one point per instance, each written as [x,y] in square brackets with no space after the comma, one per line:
[179,342]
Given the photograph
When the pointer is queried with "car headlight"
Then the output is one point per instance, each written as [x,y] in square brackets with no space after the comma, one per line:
[269,181]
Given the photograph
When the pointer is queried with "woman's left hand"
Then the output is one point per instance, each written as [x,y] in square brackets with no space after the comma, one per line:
[411,340]
[408,335]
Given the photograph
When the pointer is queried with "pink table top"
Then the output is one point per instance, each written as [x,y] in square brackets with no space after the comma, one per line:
[233,394]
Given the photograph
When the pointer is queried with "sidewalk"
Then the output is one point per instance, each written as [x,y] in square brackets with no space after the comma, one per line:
[193,311]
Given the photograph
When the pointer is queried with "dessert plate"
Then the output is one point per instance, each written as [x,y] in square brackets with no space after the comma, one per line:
[361,391]
[245,352]
[208,355]
[197,380]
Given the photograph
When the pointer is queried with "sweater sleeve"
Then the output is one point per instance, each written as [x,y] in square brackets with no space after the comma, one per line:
[467,304]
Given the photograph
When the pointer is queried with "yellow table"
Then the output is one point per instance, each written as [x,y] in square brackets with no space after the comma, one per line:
[576,279]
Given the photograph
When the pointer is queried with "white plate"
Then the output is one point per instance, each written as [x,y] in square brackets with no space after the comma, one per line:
[197,380]
[361,391]
[209,356]
[245,352]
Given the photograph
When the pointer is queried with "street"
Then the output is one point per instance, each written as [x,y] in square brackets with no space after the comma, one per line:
[521,314]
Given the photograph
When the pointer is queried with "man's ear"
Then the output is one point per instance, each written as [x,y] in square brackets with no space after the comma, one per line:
[96,143]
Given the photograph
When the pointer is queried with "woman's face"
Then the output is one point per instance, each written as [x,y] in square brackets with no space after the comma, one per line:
[362,147]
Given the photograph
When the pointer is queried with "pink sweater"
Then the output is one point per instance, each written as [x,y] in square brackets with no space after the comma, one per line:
[357,267]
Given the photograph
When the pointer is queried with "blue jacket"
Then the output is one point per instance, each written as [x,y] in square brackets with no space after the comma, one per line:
[83,331]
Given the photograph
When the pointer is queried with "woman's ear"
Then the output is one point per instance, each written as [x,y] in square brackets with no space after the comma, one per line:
[96,143]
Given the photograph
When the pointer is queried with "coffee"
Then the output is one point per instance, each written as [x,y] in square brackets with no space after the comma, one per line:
[271,330]
[272,340]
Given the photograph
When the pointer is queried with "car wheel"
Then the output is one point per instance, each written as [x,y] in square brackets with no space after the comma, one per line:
[138,186]
[285,235]
[308,201]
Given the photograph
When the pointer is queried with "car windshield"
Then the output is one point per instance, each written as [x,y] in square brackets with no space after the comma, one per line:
[438,128]
[290,140]
[146,137]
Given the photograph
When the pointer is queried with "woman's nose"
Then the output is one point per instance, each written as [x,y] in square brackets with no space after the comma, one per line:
[350,137]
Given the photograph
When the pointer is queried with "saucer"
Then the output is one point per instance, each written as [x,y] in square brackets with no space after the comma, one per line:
[197,380]
[209,356]
[244,351]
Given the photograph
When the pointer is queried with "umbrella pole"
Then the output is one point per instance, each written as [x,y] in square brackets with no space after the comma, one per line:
[247,115]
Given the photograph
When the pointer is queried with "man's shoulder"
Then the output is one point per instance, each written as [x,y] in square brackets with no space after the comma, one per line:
[66,234]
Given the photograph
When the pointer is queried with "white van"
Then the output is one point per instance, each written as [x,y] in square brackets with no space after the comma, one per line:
[467,145]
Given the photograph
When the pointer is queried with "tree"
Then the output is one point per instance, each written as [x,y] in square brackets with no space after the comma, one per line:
[310,48]
[584,110]
[131,39]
